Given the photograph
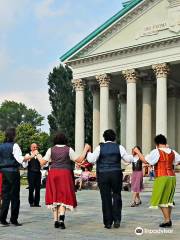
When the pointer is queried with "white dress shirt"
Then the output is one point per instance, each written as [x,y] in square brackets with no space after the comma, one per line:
[17,153]
[93,157]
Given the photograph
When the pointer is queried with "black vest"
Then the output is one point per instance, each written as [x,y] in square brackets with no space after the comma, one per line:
[137,166]
[34,165]
[109,158]
[8,162]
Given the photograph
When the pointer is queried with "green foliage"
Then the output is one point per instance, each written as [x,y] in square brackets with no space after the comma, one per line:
[26,134]
[12,114]
[2,136]
[62,99]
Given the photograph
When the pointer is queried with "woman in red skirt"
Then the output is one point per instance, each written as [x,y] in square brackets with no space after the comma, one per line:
[60,190]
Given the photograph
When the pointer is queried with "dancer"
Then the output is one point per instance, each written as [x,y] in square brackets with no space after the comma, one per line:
[136,179]
[108,157]
[10,160]
[60,191]
[163,158]
[34,176]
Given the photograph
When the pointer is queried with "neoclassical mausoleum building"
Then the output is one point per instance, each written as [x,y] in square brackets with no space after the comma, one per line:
[135,54]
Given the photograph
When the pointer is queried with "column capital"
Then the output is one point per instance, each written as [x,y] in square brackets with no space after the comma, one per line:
[78,84]
[161,70]
[130,75]
[103,79]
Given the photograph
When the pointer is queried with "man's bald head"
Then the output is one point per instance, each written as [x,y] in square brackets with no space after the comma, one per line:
[34,147]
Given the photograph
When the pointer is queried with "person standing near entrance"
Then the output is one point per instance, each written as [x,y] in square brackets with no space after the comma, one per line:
[34,176]
[10,160]
[108,158]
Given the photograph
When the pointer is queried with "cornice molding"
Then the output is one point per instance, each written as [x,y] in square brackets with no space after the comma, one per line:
[106,56]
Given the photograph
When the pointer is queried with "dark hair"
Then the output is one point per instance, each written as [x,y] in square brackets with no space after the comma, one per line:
[160,139]
[10,135]
[60,138]
[109,135]
[138,147]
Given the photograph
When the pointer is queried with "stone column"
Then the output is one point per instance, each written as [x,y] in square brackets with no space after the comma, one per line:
[161,71]
[112,109]
[131,77]
[79,115]
[103,81]
[146,117]
[96,115]
[123,119]
[171,119]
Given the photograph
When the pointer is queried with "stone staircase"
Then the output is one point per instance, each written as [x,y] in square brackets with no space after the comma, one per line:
[148,184]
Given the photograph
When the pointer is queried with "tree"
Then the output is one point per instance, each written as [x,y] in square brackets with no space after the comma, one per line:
[12,114]
[62,99]
[26,134]
[2,136]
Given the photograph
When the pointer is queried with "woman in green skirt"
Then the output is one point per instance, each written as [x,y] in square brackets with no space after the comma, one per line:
[163,158]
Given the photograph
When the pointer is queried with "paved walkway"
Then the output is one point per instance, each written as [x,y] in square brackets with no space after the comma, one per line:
[86,222]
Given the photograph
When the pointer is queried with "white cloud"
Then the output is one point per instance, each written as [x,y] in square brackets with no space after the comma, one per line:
[45,9]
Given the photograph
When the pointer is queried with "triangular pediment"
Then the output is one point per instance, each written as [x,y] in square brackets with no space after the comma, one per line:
[149,21]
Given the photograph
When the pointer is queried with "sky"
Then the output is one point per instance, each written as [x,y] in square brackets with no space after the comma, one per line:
[34,34]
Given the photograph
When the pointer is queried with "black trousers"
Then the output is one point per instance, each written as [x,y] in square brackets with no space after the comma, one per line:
[34,180]
[11,194]
[110,185]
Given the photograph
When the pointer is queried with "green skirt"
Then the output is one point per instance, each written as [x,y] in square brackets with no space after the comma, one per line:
[163,192]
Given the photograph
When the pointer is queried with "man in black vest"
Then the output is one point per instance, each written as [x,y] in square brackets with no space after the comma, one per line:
[34,176]
[10,160]
[108,158]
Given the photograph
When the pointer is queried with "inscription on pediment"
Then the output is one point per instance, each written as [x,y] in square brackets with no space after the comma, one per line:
[172,23]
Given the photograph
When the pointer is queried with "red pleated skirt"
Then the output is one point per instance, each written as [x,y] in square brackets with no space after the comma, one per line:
[60,189]
[0,183]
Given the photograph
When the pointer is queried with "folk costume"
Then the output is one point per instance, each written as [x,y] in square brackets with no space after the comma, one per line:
[108,158]
[60,189]
[34,180]
[10,160]
[137,176]
[163,160]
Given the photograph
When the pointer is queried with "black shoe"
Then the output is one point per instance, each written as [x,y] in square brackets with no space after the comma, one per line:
[166,224]
[4,223]
[31,205]
[62,225]
[56,224]
[116,224]
[16,223]
[37,205]
[108,226]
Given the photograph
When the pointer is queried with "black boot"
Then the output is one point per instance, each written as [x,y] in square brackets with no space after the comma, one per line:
[61,222]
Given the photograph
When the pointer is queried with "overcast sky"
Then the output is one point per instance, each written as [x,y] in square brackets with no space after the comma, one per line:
[34,34]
